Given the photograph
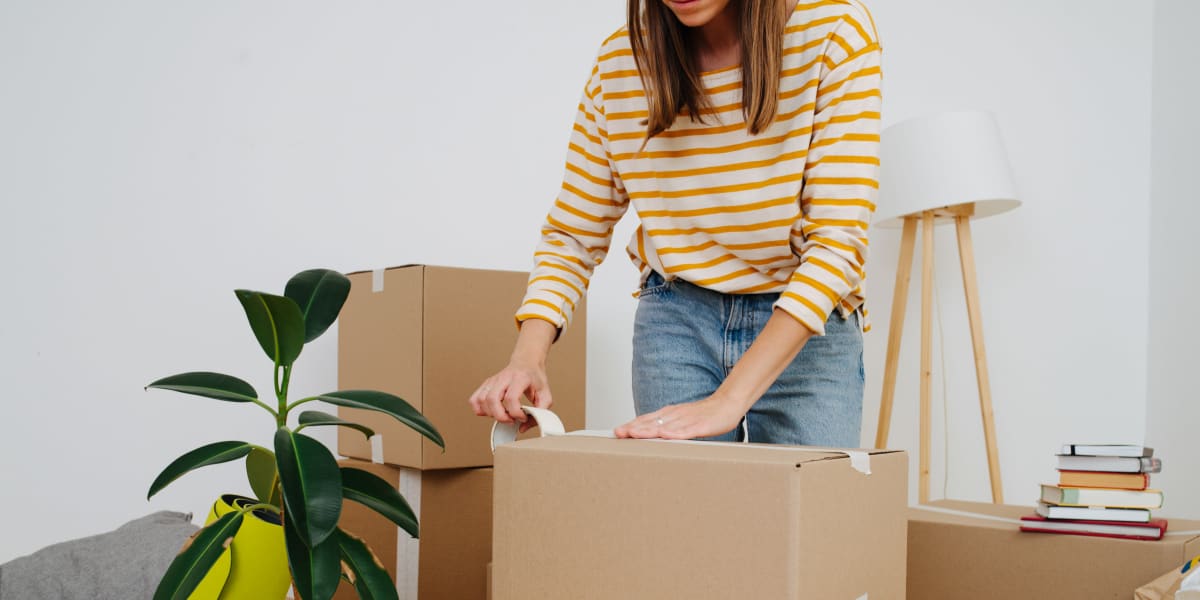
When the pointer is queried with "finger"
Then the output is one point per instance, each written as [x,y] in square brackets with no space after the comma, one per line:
[541,397]
[474,401]
[512,399]
[645,426]
[494,397]
[478,398]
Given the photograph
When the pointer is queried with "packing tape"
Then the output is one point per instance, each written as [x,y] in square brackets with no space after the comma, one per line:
[377,449]
[377,280]
[549,424]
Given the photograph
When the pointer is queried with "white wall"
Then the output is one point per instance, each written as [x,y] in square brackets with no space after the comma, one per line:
[1062,278]
[1173,415]
[154,156]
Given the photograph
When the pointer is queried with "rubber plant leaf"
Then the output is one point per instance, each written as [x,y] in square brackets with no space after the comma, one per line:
[375,493]
[316,418]
[312,485]
[190,566]
[320,293]
[208,385]
[277,323]
[203,456]
[388,404]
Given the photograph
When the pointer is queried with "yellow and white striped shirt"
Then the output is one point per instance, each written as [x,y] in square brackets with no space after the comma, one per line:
[782,211]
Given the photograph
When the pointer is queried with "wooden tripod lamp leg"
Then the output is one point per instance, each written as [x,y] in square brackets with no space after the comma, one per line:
[896,330]
[966,254]
[926,347]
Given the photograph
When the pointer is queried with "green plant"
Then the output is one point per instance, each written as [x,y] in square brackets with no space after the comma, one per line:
[300,481]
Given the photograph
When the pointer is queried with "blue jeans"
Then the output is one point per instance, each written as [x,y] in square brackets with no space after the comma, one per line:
[687,338]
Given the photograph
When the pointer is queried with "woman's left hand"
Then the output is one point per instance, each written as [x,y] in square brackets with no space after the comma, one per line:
[704,418]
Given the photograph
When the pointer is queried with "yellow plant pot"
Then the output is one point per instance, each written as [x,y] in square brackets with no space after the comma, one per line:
[255,566]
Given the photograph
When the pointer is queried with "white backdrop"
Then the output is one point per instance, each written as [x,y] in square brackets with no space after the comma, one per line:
[154,156]
[1173,415]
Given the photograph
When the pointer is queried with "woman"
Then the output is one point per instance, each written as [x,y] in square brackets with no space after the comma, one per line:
[745,134]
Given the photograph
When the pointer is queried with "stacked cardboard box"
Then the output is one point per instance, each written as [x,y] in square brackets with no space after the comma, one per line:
[431,335]
[972,550]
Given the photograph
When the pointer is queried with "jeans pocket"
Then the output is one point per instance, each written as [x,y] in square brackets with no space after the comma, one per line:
[655,284]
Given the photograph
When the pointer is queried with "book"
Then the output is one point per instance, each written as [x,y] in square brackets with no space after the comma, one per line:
[1152,530]
[1073,496]
[1093,513]
[1115,464]
[1128,450]
[1100,479]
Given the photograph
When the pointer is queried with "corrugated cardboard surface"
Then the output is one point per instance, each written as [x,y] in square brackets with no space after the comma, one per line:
[579,517]
[431,336]
[455,514]
[951,556]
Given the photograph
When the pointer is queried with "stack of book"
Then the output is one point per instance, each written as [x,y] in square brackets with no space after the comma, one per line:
[1103,490]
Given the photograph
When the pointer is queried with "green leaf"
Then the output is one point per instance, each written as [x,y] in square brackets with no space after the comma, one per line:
[312,485]
[315,418]
[375,493]
[277,323]
[261,472]
[386,403]
[209,385]
[203,456]
[371,580]
[320,294]
[316,570]
[191,565]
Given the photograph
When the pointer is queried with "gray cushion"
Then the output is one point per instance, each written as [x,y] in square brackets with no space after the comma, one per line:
[124,564]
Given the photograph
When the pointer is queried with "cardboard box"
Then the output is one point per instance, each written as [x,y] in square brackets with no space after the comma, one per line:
[431,335]
[987,557]
[454,510]
[581,517]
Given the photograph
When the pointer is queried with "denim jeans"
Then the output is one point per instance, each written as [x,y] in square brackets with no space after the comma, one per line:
[687,338]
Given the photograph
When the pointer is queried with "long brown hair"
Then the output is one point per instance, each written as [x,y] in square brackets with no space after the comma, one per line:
[666,58]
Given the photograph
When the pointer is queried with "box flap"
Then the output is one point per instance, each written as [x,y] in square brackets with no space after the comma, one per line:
[404,266]
[790,456]
[1004,516]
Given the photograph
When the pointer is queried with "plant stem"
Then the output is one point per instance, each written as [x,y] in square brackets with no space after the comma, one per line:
[283,407]
[268,408]
[281,415]
[299,402]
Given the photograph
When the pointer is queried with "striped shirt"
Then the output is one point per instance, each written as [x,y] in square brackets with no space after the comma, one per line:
[785,211]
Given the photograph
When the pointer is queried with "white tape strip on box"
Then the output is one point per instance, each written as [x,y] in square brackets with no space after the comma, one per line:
[549,424]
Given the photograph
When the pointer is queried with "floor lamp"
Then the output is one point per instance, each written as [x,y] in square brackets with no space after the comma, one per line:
[944,168]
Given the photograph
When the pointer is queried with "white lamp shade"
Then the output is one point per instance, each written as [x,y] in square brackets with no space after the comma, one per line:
[942,161]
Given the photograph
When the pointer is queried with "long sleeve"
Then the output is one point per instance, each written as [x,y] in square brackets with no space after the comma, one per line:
[578,230]
[841,180]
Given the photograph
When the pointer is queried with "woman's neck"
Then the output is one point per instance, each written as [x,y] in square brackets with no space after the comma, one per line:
[718,43]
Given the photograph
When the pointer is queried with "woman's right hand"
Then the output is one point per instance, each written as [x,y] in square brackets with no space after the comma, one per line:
[499,396]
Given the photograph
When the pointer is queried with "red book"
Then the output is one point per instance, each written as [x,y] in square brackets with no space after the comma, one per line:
[1154,530]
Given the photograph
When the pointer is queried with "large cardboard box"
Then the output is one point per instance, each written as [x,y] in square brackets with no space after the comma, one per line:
[586,517]
[454,511]
[984,556]
[431,335]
